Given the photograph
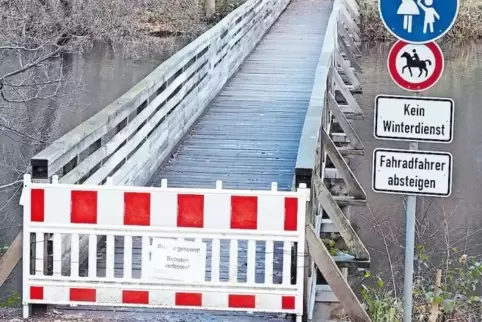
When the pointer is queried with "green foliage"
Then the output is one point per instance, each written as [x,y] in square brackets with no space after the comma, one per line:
[330,244]
[12,301]
[379,302]
[3,250]
[463,284]
[458,296]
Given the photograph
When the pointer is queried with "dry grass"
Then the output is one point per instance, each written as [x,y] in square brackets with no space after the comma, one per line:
[468,24]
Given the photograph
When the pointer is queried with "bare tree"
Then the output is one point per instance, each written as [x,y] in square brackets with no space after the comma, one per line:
[442,247]
[36,40]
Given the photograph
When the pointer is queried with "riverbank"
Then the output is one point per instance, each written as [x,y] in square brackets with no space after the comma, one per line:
[468,24]
[137,28]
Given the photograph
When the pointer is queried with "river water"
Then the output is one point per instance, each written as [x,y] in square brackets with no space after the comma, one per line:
[95,79]
[442,223]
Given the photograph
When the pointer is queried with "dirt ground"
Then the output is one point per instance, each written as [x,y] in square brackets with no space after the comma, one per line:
[128,315]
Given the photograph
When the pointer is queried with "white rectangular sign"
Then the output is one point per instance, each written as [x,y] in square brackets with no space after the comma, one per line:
[412,172]
[411,118]
[177,260]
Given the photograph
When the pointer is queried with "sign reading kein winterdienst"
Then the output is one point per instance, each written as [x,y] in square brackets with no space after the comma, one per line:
[412,172]
[425,119]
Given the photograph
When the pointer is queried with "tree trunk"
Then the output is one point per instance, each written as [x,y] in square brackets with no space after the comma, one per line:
[210,7]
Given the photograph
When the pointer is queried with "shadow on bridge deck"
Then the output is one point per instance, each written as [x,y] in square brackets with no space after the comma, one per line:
[248,138]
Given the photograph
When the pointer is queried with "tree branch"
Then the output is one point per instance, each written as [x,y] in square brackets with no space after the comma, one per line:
[10,184]
[30,65]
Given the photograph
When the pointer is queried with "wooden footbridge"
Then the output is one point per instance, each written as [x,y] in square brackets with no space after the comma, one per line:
[266,95]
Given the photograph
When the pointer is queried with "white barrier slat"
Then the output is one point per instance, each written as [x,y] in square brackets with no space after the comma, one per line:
[57,254]
[110,256]
[92,256]
[146,248]
[74,257]
[233,261]
[251,270]
[287,263]
[215,259]
[268,262]
[127,257]
[39,254]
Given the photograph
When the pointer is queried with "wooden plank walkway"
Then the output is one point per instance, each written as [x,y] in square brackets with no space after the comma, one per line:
[248,138]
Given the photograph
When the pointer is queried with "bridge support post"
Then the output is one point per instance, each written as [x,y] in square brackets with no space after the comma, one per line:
[324,167]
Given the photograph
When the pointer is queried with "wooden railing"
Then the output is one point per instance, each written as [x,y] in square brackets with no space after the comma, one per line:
[129,139]
[327,140]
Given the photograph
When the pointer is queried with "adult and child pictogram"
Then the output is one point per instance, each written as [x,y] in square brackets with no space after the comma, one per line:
[418,21]
[410,8]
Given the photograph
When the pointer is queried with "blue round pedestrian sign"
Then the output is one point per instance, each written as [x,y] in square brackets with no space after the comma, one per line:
[418,21]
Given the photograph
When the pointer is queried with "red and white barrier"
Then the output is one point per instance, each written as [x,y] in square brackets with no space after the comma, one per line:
[209,300]
[74,216]
[164,208]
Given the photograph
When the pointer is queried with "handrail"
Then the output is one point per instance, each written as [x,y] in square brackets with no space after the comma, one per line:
[316,115]
[152,117]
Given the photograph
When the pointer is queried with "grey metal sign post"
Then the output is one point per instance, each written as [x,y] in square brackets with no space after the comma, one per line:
[413,67]
[412,172]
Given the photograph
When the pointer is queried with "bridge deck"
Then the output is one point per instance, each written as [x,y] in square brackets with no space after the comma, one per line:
[249,136]
[250,133]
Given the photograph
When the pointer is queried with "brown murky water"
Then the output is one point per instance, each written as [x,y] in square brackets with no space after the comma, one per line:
[442,223]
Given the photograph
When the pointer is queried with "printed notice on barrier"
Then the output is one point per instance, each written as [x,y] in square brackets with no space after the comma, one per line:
[177,260]
[412,172]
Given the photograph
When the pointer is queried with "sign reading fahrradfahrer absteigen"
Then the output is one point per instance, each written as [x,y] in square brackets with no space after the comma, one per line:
[415,63]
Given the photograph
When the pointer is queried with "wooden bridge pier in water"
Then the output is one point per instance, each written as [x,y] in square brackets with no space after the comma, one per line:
[266,95]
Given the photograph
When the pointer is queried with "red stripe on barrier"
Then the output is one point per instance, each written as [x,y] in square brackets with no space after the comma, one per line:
[291,214]
[84,207]
[36,292]
[189,299]
[135,297]
[37,205]
[288,303]
[82,295]
[190,211]
[244,212]
[137,209]
[242,301]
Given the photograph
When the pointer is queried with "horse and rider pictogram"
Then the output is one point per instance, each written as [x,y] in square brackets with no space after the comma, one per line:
[413,61]
[415,67]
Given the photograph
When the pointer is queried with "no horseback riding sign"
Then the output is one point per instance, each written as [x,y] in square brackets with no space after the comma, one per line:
[415,67]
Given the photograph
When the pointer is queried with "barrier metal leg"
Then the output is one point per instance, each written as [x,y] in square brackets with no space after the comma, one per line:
[26,311]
